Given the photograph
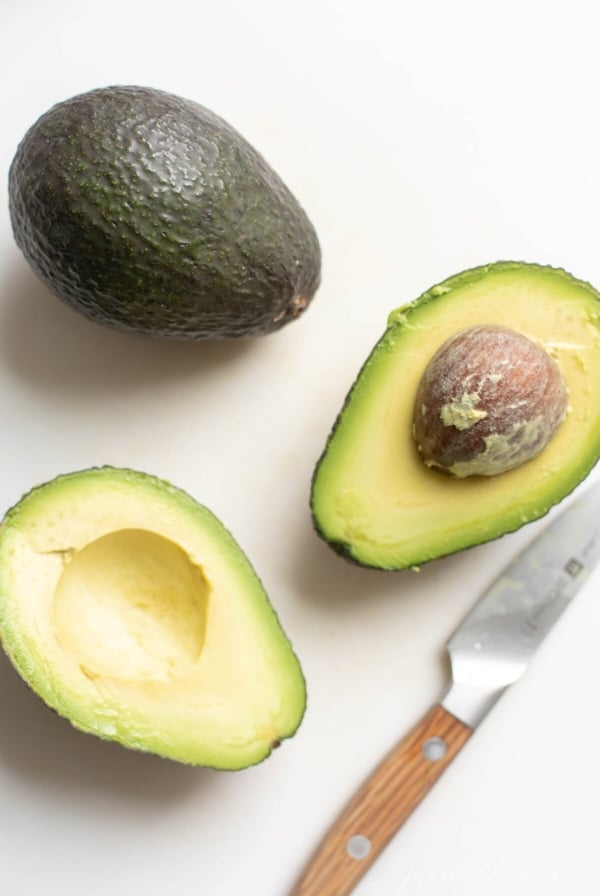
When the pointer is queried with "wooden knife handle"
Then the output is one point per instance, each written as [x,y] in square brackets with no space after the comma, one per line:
[383,804]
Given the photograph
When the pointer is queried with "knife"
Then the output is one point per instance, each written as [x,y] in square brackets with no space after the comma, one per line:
[489,651]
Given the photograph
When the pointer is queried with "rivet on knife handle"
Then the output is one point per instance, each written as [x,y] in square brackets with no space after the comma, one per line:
[383,804]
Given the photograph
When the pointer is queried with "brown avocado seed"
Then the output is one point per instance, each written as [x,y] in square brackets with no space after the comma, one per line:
[489,400]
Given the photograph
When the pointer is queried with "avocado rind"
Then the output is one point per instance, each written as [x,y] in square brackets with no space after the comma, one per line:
[349,492]
[240,660]
[149,213]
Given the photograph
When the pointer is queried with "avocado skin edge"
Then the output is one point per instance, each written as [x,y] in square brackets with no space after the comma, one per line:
[149,213]
[396,319]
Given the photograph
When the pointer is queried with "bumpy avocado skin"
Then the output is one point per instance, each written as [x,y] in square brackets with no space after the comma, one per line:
[149,213]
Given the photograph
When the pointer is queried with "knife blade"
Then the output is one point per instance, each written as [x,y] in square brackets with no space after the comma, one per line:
[489,651]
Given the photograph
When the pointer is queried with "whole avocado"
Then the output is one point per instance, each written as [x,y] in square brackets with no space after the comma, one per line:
[149,213]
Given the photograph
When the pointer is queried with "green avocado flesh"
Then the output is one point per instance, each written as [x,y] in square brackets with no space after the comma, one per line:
[131,611]
[149,213]
[376,502]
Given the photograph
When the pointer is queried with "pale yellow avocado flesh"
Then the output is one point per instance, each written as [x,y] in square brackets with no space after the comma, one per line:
[375,501]
[132,612]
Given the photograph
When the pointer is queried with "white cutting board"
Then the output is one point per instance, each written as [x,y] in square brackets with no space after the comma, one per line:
[422,139]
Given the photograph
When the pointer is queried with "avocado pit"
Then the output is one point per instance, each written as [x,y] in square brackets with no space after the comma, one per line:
[490,399]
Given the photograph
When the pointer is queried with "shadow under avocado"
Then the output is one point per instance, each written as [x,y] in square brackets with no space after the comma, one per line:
[43,747]
[51,346]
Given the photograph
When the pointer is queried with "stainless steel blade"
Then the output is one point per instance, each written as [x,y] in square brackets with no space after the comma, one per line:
[493,645]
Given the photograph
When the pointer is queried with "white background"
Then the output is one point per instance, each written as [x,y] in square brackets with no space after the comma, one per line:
[422,138]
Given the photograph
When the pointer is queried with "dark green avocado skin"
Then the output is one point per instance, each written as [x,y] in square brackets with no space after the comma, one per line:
[149,213]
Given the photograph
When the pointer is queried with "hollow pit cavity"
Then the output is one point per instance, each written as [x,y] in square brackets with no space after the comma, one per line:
[132,605]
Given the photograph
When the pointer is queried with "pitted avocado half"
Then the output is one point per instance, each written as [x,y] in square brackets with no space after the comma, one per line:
[376,501]
[131,611]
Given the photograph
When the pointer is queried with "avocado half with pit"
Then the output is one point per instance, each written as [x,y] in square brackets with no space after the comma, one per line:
[391,489]
[131,611]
